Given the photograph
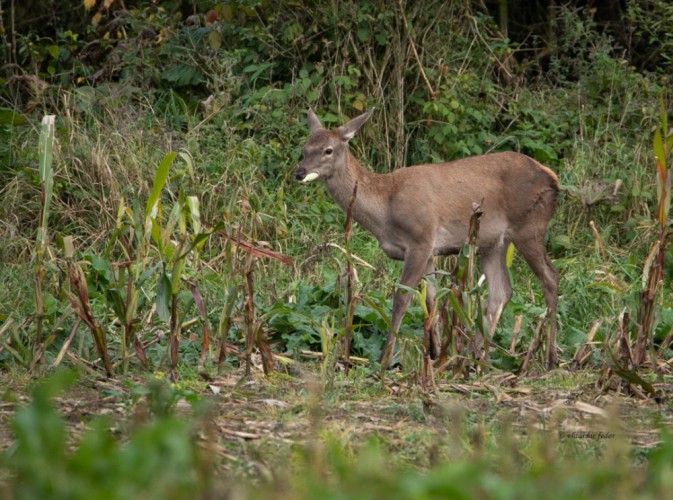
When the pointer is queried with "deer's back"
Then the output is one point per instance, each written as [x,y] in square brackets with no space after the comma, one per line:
[512,189]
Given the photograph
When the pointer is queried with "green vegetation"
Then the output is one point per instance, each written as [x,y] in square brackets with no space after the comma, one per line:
[154,227]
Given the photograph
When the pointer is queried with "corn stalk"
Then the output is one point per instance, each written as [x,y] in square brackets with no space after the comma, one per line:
[653,272]
[46,176]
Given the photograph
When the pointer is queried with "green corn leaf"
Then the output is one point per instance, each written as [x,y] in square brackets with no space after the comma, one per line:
[46,175]
[146,274]
[120,212]
[132,306]
[176,275]
[664,115]
[173,219]
[408,289]
[659,150]
[458,309]
[194,213]
[135,216]
[116,302]
[182,218]
[155,231]
[46,146]
[200,238]
[163,299]
[187,158]
[160,178]
[665,200]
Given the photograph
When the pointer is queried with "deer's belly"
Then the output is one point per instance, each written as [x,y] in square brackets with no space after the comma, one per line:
[392,250]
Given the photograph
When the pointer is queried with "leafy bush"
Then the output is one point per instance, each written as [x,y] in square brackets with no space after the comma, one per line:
[298,324]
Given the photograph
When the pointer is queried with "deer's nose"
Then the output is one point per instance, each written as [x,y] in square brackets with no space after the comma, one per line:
[300,173]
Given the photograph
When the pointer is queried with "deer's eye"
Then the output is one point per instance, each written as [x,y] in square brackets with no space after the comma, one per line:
[328,151]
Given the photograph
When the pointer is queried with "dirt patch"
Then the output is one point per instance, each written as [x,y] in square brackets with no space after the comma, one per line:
[261,421]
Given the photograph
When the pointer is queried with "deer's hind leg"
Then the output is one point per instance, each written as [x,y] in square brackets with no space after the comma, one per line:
[535,254]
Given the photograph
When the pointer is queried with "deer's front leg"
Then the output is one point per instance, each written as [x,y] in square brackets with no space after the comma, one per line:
[415,263]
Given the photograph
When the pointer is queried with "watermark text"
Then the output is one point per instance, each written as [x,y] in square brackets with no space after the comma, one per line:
[586,435]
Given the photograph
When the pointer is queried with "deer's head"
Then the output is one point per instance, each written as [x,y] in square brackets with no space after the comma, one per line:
[325,151]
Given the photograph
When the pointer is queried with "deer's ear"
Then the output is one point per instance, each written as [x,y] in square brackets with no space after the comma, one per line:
[313,122]
[347,131]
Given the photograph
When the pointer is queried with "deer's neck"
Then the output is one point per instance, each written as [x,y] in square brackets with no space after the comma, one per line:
[368,208]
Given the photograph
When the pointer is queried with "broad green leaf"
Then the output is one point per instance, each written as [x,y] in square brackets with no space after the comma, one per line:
[182,218]
[160,179]
[120,212]
[155,230]
[176,275]
[187,158]
[135,216]
[459,310]
[227,12]
[146,274]
[230,302]
[660,153]
[133,304]
[664,115]
[194,213]
[665,201]
[115,301]
[46,146]
[199,239]
[173,219]
[168,251]
[163,299]
[406,288]
[196,243]
[46,175]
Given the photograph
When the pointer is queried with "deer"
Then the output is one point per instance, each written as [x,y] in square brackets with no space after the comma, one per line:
[423,211]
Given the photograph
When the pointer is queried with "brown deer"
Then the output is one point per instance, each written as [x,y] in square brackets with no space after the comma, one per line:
[421,211]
